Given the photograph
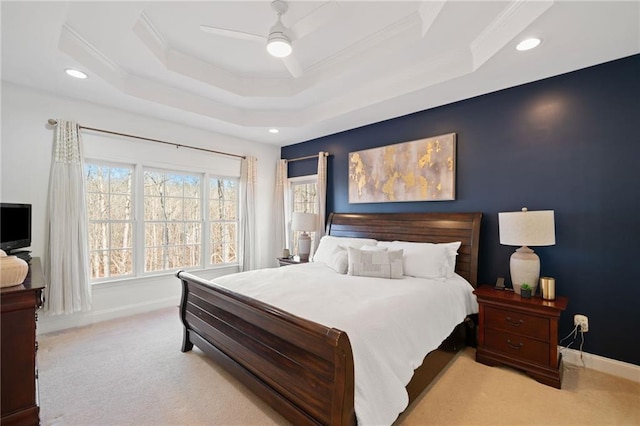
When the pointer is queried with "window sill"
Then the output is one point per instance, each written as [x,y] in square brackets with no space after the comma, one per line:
[149,277]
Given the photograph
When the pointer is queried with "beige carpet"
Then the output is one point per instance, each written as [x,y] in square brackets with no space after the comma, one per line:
[131,372]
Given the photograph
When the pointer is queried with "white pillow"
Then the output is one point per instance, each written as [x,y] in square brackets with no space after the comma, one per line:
[339,260]
[426,260]
[373,248]
[379,264]
[329,243]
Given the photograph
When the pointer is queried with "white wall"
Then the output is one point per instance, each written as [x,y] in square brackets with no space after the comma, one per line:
[25,154]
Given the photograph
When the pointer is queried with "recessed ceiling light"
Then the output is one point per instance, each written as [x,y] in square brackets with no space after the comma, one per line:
[274,131]
[527,44]
[75,73]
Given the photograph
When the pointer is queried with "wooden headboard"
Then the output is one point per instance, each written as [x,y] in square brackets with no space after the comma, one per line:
[417,227]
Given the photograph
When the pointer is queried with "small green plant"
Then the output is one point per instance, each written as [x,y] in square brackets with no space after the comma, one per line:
[525,286]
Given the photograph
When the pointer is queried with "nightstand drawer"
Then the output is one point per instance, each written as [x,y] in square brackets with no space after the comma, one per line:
[515,345]
[517,322]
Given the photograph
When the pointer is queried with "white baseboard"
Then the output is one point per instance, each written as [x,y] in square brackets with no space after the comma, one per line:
[51,323]
[599,363]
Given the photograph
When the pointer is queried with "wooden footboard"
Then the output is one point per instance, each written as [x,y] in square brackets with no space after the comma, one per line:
[302,369]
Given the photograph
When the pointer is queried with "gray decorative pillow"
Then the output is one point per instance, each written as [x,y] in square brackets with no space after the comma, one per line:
[339,260]
[379,264]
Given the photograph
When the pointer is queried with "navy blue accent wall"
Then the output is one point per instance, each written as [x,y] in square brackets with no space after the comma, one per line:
[569,143]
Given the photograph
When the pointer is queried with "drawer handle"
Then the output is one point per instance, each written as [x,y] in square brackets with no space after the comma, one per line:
[512,346]
[513,323]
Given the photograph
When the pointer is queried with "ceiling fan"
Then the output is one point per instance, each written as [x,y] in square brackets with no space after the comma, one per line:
[280,38]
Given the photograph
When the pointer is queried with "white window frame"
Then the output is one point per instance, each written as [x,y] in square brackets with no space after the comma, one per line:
[223,221]
[201,221]
[138,230]
[134,234]
[292,182]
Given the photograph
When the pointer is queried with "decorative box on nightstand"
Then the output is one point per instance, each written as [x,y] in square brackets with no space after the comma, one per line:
[284,261]
[521,333]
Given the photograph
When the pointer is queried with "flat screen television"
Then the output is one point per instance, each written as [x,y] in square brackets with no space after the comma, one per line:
[15,226]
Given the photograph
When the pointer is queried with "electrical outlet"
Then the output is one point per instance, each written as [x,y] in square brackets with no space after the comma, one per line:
[582,321]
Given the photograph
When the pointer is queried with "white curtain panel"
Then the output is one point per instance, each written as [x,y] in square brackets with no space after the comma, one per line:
[281,208]
[248,170]
[321,199]
[67,260]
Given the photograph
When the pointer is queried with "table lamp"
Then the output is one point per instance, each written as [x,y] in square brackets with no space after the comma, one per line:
[303,222]
[525,228]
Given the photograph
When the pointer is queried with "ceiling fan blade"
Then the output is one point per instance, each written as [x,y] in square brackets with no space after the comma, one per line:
[233,34]
[293,66]
[311,22]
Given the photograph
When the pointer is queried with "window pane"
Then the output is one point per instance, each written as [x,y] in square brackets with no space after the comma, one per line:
[97,206]
[153,183]
[97,178]
[216,210]
[192,233]
[121,235]
[172,213]
[173,185]
[172,209]
[154,234]
[191,209]
[192,255]
[223,212]
[98,235]
[154,259]
[111,227]
[175,234]
[223,242]
[153,208]
[230,210]
[99,262]
[120,180]
[304,197]
[231,231]
[120,207]
[192,187]
[175,257]
[121,263]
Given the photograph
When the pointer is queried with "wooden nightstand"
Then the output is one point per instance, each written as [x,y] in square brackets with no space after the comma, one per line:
[521,333]
[284,261]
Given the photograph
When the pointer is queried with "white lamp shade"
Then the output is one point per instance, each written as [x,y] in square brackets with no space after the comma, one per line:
[527,228]
[303,222]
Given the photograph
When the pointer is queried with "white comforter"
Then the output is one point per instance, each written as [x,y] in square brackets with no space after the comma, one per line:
[379,316]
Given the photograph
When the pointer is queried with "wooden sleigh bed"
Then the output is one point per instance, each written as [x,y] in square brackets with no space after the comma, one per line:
[302,369]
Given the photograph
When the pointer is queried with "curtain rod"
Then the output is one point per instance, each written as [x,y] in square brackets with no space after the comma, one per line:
[326,154]
[54,122]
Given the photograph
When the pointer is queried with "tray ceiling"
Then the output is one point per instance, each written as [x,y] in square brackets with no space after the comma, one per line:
[357,62]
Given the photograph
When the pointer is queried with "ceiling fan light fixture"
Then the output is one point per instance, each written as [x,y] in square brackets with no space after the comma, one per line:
[278,45]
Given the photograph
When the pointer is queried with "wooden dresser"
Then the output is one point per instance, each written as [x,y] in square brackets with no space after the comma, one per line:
[18,339]
[521,333]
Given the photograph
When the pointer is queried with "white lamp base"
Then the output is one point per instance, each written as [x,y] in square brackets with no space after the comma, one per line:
[304,246]
[525,268]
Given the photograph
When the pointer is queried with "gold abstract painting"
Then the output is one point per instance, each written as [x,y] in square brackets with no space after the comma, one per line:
[420,170]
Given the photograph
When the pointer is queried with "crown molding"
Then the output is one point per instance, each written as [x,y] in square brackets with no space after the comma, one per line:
[513,19]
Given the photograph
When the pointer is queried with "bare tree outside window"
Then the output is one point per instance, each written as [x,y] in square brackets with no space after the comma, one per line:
[170,212]
[109,208]
[173,228]
[223,219]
